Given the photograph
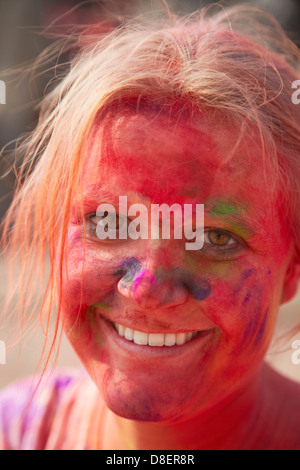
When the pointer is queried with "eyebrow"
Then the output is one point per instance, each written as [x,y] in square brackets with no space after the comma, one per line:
[235,215]
[93,196]
[223,208]
[90,198]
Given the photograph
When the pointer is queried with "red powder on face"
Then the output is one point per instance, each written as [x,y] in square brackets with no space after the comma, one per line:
[155,159]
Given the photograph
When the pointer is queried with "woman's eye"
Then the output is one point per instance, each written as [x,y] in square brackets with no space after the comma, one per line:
[109,223]
[220,244]
[217,243]
[219,238]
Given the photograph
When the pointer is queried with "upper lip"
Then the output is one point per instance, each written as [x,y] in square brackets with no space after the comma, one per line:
[155,328]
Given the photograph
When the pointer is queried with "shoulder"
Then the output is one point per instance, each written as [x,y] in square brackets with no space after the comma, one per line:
[28,408]
[284,395]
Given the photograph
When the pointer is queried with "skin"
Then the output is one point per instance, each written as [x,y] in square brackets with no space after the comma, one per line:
[191,396]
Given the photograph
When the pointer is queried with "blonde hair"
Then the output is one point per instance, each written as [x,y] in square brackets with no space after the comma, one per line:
[236,62]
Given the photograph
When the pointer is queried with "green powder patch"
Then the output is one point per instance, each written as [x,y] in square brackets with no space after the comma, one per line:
[223,208]
[233,224]
[103,305]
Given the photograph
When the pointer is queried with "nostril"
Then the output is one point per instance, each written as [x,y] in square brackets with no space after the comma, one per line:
[147,291]
[144,284]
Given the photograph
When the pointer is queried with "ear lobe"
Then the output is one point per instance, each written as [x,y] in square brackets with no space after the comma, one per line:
[291,281]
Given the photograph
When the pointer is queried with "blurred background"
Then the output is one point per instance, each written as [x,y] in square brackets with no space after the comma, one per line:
[21,40]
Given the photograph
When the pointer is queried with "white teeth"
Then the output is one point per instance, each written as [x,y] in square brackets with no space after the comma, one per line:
[154,339]
[128,333]
[170,339]
[180,338]
[140,338]
[121,329]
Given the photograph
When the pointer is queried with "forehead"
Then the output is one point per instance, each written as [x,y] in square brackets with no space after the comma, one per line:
[172,158]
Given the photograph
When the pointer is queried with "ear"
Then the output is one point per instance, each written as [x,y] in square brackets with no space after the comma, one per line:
[291,280]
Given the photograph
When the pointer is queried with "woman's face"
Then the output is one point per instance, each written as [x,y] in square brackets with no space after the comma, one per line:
[228,292]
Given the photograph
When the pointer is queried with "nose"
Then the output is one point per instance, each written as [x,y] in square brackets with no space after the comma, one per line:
[152,287]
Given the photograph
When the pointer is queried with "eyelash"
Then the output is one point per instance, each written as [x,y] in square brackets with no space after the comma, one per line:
[234,243]
[233,247]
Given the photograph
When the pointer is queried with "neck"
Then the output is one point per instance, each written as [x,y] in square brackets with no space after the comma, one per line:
[227,425]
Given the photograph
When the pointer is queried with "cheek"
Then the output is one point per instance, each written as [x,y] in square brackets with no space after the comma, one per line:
[85,285]
[243,306]
[88,275]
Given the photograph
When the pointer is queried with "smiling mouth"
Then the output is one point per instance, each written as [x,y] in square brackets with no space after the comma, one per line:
[154,339]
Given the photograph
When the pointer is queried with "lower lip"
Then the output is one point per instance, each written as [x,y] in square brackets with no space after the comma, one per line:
[198,341]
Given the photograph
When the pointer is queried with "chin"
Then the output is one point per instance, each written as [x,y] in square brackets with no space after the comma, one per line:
[136,411]
[133,402]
